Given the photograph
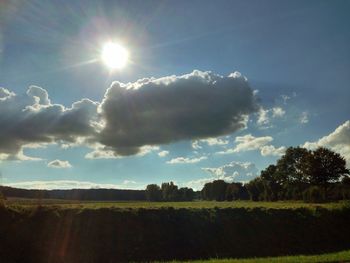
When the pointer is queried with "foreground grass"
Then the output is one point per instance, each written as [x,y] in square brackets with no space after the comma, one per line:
[73,204]
[343,256]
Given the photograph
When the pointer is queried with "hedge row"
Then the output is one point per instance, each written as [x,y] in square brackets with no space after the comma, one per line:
[112,235]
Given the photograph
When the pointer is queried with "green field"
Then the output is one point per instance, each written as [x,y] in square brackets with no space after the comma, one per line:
[28,203]
[343,256]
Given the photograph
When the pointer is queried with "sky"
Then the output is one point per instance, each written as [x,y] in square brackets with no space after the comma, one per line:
[210,90]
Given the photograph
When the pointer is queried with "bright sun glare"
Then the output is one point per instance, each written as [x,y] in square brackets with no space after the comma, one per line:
[114,55]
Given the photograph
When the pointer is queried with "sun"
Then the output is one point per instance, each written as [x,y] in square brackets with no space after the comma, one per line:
[114,56]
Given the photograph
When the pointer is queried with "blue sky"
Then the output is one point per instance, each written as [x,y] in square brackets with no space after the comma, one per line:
[293,56]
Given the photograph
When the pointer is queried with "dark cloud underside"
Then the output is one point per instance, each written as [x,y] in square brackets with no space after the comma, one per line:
[147,112]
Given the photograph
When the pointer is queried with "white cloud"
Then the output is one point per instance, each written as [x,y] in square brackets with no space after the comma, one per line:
[278,112]
[20,156]
[198,184]
[270,150]
[304,118]
[163,153]
[103,152]
[197,144]
[41,96]
[59,164]
[62,184]
[266,115]
[184,160]
[250,143]
[129,182]
[5,94]
[215,141]
[285,98]
[338,141]
[263,118]
[234,171]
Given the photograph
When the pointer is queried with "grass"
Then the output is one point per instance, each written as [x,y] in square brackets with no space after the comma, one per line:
[343,256]
[28,203]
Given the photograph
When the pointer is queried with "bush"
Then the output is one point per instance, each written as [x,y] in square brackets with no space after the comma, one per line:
[314,194]
[2,199]
[57,235]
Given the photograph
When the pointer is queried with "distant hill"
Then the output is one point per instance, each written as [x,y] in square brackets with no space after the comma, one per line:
[76,194]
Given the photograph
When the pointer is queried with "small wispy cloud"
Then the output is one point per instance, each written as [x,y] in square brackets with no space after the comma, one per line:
[265,116]
[163,153]
[278,112]
[248,143]
[59,164]
[184,160]
[62,184]
[304,117]
[198,144]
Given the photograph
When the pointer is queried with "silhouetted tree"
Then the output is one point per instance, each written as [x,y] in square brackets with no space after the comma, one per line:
[2,199]
[272,183]
[256,189]
[324,166]
[185,194]
[207,191]
[232,192]
[215,190]
[236,191]
[314,194]
[169,192]
[153,193]
[290,171]
[345,187]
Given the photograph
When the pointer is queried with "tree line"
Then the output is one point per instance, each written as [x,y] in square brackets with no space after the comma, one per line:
[166,192]
[75,194]
[300,174]
[169,192]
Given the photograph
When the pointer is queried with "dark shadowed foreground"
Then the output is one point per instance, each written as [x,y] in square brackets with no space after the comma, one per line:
[49,234]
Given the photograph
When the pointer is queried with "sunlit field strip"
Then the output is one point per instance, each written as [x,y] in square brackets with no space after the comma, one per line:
[343,256]
[14,202]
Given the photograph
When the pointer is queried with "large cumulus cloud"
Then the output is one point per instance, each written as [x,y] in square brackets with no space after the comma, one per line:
[160,111]
[30,119]
[131,116]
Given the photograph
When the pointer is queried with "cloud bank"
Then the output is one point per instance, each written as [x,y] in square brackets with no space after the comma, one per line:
[338,141]
[148,112]
[63,184]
